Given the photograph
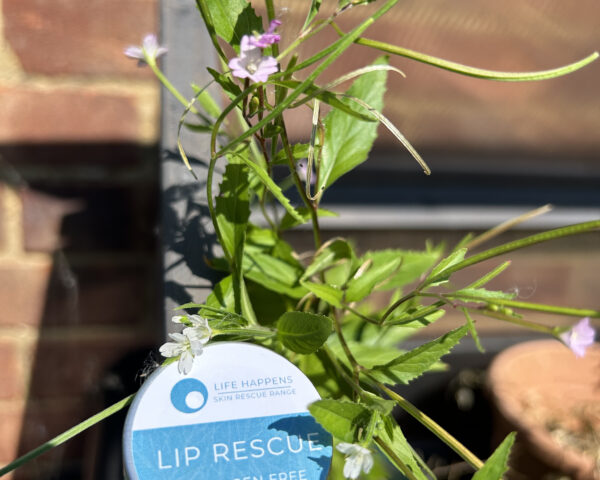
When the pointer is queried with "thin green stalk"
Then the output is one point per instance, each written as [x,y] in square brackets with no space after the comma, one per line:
[476,72]
[418,314]
[171,88]
[63,437]
[517,244]
[311,208]
[539,307]
[432,426]
[536,327]
[399,463]
[396,304]
[334,51]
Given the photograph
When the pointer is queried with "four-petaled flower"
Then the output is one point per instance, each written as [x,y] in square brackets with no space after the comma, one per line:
[579,337]
[357,458]
[251,63]
[148,52]
[267,38]
[189,343]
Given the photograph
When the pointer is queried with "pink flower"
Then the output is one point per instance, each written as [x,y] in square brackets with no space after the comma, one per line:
[302,169]
[251,63]
[148,52]
[579,337]
[267,38]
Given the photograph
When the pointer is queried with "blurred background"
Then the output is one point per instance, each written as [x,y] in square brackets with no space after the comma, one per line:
[83,163]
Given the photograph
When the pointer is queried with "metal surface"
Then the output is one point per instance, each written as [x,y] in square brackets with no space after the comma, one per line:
[186,231]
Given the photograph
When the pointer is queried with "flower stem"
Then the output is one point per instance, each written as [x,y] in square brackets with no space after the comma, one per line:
[432,426]
[63,437]
[171,88]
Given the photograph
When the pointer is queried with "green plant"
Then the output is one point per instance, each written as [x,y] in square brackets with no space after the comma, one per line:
[317,311]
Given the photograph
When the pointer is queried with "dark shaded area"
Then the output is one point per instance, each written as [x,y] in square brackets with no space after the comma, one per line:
[94,208]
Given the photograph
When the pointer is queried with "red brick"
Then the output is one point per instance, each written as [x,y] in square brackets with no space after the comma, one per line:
[11,378]
[42,220]
[29,115]
[75,37]
[11,420]
[23,292]
[2,219]
[76,367]
[97,295]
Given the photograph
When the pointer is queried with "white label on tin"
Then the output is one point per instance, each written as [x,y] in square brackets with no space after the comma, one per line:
[240,414]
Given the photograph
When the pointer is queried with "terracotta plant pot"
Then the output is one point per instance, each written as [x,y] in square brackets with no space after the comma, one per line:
[552,399]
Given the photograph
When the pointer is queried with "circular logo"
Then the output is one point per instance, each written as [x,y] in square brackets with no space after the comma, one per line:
[189,395]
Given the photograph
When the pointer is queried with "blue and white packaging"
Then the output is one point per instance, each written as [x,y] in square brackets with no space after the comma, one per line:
[240,414]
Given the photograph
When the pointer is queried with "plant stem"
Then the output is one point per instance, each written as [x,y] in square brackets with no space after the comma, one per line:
[432,426]
[399,463]
[171,88]
[310,205]
[355,365]
[63,437]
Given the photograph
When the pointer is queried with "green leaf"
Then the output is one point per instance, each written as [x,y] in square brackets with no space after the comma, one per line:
[490,276]
[288,221]
[221,296]
[268,305]
[395,440]
[330,98]
[437,276]
[348,139]
[328,254]
[205,99]
[299,150]
[341,419]
[414,264]
[361,286]
[233,209]
[232,19]
[327,293]
[273,188]
[414,363]
[482,295]
[228,85]
[497,465]
[312,12]
[273,273]
[303,332]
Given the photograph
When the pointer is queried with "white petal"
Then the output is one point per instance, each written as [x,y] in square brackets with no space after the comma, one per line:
[170,349]
[346,448]
[352,467]
[177,318]
[186,362]
[178,337]
[367,463]
[134,52]
[196,347]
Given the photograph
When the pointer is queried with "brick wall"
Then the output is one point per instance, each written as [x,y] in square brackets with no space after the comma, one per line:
[78,202]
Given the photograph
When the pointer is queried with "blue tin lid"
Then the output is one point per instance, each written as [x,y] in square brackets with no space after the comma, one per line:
[240,414]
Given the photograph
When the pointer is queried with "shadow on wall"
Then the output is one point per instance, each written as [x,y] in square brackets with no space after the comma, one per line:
[79,288]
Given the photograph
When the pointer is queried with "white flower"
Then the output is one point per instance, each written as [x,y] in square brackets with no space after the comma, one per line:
[189,343]
[357,458]
[148,52]
[251,63]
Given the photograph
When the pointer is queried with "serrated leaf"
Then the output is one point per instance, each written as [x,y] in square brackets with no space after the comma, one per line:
[303,332]
[383,406]
[231,88]
[497,465]
[221,296]
[327,293]
[288,221]
[413,364]
[397,443]
[361,286]
[329,254]
[348,140]
[232,19]
[299,150]
[341,419]
[446,264]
